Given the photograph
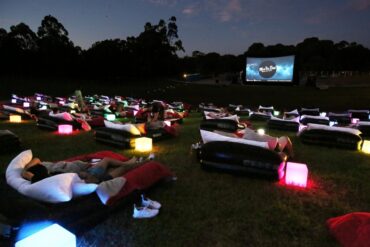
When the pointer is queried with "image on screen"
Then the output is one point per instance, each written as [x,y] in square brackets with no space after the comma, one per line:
[274,69]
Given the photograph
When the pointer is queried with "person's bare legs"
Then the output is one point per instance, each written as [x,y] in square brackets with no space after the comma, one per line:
[121,170]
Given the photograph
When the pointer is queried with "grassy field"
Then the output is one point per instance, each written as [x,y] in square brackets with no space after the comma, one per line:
[215,209]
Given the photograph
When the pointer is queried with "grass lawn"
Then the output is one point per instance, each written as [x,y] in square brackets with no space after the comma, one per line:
[216,209]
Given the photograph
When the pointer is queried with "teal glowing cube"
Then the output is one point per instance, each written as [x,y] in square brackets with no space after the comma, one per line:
[51,236]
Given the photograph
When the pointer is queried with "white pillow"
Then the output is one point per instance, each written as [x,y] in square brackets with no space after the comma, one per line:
[286,120]
[264,108]
[314,117]
[292,112]
[58,188]
[208,136]
[126,127]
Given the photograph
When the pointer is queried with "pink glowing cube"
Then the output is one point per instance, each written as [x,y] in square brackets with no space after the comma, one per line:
[355,120]
[65,129]
[296,174]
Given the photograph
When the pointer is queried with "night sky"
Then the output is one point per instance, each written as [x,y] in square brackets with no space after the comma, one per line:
[223,26]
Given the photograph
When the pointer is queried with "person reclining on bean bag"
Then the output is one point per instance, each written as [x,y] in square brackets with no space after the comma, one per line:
[69,117]
[105,169]
[281,144]
[155,120]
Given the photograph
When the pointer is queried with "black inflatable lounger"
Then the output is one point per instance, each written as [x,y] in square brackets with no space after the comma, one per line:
[363,115]
[310,111]
[226,125]
[9,142]
[307,119]
[282,124]
[340,118]
[332,138]
[242,159]
[51,123]
[124,138]
[258,116]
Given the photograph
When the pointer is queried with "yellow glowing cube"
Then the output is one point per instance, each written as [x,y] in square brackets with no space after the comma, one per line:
[143,144]
[366,147]
[15,118]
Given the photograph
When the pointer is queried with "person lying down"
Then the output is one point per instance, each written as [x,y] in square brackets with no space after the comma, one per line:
[280,144]
[103,170]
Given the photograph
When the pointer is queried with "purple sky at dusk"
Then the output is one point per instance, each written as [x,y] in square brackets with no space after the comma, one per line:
[223,26]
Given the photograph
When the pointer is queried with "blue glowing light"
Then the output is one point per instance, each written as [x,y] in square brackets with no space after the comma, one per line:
[51,236]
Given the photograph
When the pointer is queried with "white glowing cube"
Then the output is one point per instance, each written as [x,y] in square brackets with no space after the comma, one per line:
[296,174]
[62,102]
[65,129]
[276,113]
[143,144]
[26,104]
[322,114]
[261,132]
[15,118]
[332,123]
[73,111]
[366,147]
[38,98]
[110,117]
[355,120]
[51,236]
[14,101]
[168,123]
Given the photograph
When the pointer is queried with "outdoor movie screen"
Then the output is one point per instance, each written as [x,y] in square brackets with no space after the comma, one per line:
[273,69]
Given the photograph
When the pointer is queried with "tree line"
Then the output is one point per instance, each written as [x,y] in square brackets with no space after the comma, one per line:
[153,53]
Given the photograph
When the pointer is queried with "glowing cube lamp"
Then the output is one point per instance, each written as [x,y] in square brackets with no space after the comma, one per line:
[54,235]
[143,144]
[276,113]
[38,98]
[65,129]
[110,117]
[322,114]
[261,132]
[355,120]
[296,174]
[15,118]
[366,147]
[26,104]
[14,101]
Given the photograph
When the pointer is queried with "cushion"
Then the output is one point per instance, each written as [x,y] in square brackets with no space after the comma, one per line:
[296,120]
[332,128]
[208,136]
[265,108]
[126,127]
[58,188]
[63,115]
[351,230]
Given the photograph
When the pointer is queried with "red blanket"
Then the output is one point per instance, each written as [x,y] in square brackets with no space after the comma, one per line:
[351,230]
[140,178]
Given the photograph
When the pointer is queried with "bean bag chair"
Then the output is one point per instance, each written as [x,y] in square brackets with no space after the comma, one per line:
[83,212]
[362,115]
[9,142]
[340,137]
[283,124]
[340,118]
[351,230]
[310,111]
[307,119]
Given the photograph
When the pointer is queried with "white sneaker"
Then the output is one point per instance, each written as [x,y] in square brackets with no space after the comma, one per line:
[151,156]
[146,202]
[144,212]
